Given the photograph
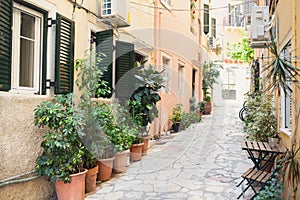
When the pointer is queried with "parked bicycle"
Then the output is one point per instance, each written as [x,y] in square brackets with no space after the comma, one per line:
[243,115]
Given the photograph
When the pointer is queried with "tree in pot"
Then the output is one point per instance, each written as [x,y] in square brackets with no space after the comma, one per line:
[62,158]
[176,117]
[209,77]
[142,103]
[90,83]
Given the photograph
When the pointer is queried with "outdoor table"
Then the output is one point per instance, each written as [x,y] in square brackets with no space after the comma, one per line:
[259,151]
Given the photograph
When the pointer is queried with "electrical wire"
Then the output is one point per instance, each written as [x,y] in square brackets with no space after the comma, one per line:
[182,9]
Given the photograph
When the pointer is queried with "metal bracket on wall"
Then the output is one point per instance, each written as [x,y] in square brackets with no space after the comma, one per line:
[50,84]
[51,22]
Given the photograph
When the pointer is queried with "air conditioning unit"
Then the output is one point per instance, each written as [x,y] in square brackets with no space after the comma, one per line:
[115,12]
[259,26]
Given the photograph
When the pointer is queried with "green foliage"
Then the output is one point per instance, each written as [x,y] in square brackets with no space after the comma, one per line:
[177,113]
[116,128]
[261,122]
[63,149]
[207,98]
[209,76]
[189,118]
[193,105]
[241,51]
[142,103]
[272,190]
[89,75]
[280,71]
[201,106]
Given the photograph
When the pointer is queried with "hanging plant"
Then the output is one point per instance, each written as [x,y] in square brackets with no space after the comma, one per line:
[193,8]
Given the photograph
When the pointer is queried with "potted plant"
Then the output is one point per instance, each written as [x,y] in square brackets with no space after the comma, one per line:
[123,138]
[89,163]
[62,158]
[201,107]
[209,77]
[207,107]
[93,133]
[261,123]
[142,103]
[176,117]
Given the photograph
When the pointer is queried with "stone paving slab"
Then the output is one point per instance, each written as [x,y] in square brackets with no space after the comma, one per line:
[202,163]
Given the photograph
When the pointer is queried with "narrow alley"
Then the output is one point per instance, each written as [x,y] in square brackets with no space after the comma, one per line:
[204,162]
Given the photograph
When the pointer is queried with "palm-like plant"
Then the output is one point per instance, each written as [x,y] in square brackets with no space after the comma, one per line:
[280,71]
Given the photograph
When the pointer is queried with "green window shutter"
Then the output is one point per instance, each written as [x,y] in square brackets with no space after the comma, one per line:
[64,55]
[124,73]
[5,44]
[104,44]
[206,18]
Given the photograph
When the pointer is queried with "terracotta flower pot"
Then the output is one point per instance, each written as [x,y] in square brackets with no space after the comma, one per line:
[145,147]
[120,162]
[74,190]
[105,169]
[90,179]
[207,108]
[136,152]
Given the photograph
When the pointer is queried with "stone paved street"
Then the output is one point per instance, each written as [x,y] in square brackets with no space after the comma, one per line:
[204,162]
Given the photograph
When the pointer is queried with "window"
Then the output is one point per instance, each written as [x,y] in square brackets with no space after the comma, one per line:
[166,62]
[23,54]
[27,48]
[206,18]
[213,27]
[286,99]
[180,79]
[166,3]
[106,7]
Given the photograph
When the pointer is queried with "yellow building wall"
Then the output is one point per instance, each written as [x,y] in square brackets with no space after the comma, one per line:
[20,140]
[288,28]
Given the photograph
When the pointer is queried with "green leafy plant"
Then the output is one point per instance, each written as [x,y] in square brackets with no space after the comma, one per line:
[177,113]
[142,103]
[189,118]
[280,71]
[62,147]
[201,106]
[272,190]
[241,51]
[90,84]
[209,76]
[261,122]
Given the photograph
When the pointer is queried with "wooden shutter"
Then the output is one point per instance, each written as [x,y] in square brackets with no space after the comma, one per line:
[104,42]
[206,19]
[124,73]
[5,44]
[64,55]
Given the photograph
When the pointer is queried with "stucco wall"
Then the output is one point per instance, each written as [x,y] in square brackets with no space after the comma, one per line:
[20,147]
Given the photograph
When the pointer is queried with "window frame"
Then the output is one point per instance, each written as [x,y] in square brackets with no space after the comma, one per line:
[181,75]
[286,101]
[205,18]
[168,72]
[38,52]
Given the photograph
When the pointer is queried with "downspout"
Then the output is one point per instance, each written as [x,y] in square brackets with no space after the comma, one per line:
[200,58]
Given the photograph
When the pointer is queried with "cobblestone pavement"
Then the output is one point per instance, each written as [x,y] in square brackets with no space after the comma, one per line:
[204,162]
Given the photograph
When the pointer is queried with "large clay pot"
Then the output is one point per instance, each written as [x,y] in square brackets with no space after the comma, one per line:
[207,108]
[105,169]
[145,147]
[90,179]
[74,190]
[136,152]
[120,162]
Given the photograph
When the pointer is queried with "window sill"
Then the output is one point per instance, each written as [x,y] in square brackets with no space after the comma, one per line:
[286,131]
